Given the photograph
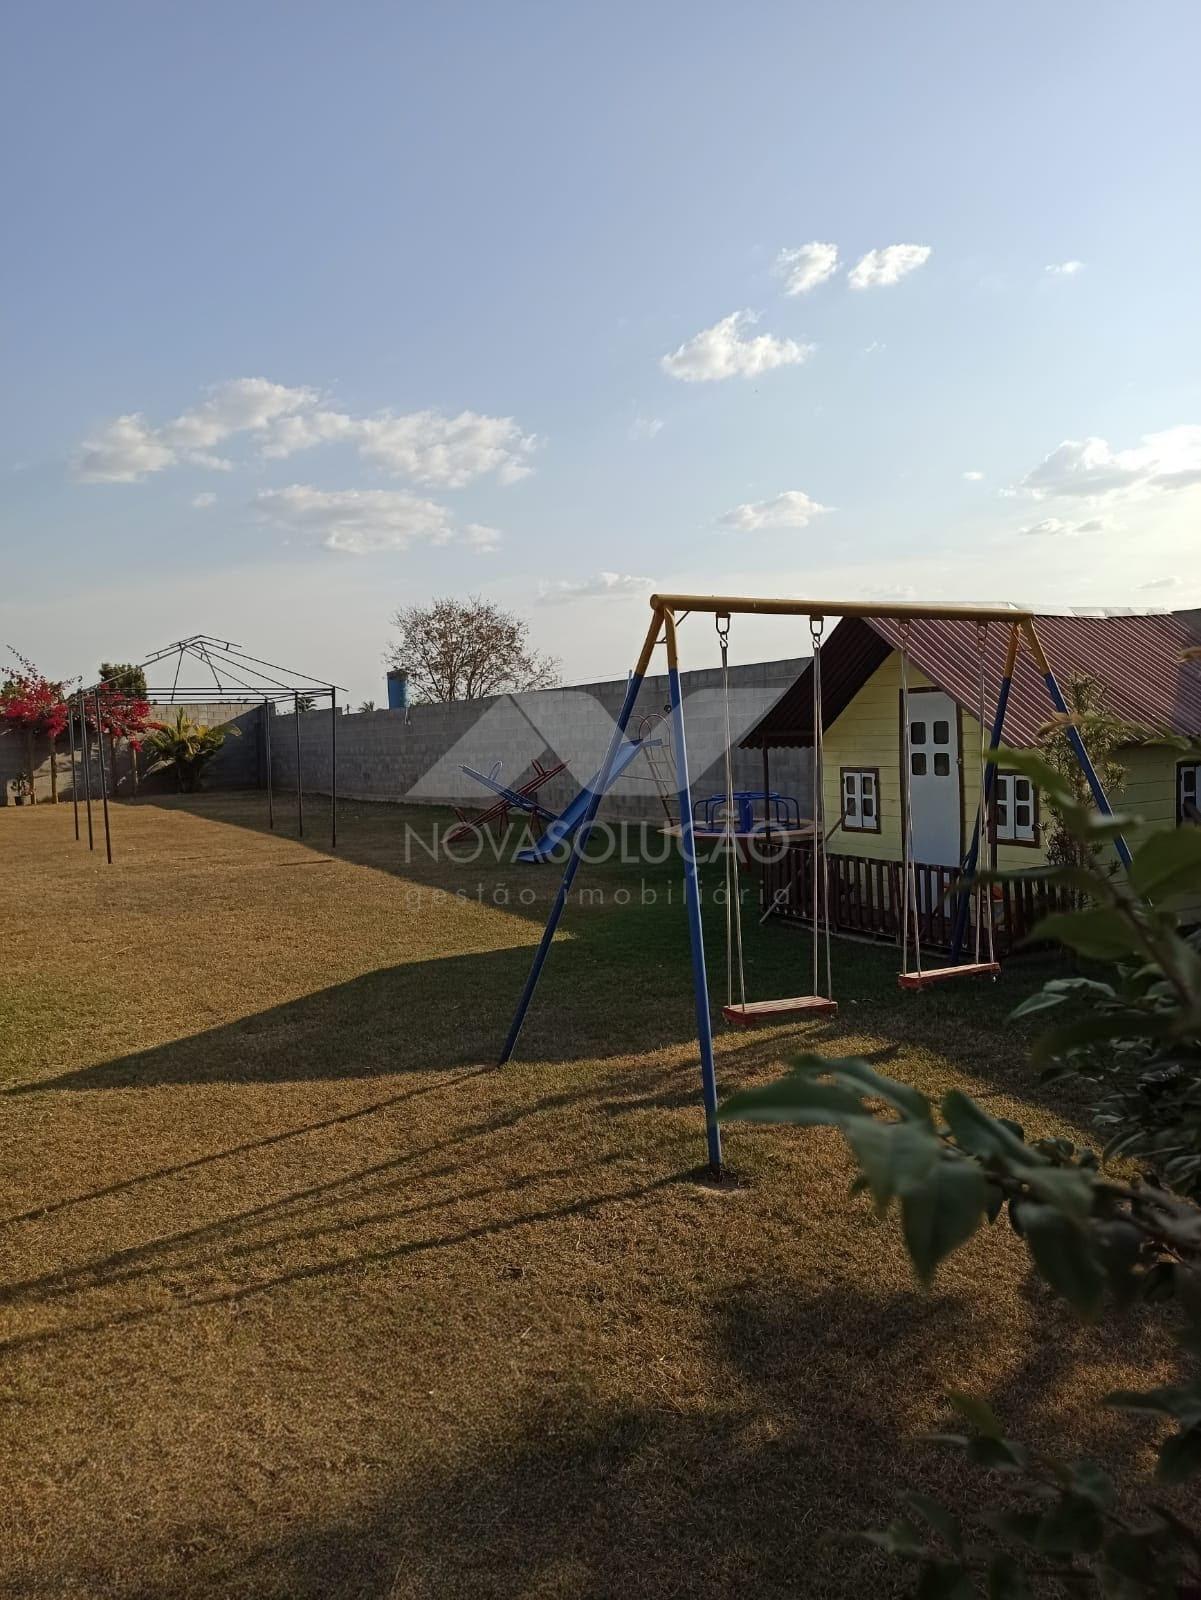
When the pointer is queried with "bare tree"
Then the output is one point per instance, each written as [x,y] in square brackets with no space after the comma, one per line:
[466,649]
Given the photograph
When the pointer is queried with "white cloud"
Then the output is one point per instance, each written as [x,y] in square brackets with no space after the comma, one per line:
[722,352]
[807,266]
[974,477]
[426,447]
[879,269]
[1049,528]
[1064,269]
[430,448]
[1163,583]
[645,427]
[792,509]
[123,451]
[203,501]
[362,520]
[1091,468]
[604,585]
[128,449]
[482,538]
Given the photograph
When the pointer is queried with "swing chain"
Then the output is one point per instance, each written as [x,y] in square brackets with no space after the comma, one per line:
[722,623]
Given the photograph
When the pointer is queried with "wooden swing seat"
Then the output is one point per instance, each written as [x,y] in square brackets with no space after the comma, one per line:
[759,1013]
[970,969]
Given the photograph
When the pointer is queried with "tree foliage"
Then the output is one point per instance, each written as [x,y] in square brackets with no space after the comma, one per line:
[465,650]
[125,676]
[1103,734]
[35,706]
[1098,1240]
[186,745]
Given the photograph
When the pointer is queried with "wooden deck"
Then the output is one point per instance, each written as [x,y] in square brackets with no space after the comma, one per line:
[865,899]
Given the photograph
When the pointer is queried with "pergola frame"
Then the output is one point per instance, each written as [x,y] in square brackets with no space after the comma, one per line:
[237,676]
[668,611]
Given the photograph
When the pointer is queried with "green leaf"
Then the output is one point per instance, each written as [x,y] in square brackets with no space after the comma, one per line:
[945,1523]
[894,1156]
[976,1411]
[1063,1254]
[942,1212]
[1168,865]
[1091,1482]
[1044,1000]
[999,1455]
[982,1135]
[799,1098]
[909,1102]
[944,1580]
[900,1538]
[1098,1029]
[1073,1526]
[1180,1456]
[1098,933]
[1069,1190]
[1006,1580]
[1182,1402]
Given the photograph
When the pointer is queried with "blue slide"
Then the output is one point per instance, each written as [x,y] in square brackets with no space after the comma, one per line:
[569,819]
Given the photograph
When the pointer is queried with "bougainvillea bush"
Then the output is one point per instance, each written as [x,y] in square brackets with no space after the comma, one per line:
[34,705]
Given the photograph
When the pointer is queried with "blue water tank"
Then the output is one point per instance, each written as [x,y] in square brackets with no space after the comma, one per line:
[398,689]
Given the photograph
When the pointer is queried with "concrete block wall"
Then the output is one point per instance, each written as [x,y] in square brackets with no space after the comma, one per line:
[238,765]
[417,756]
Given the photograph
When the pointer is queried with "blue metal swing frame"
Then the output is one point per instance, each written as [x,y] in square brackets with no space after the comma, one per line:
[664,619]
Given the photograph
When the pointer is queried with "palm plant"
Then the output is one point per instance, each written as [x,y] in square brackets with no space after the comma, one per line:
[185,745]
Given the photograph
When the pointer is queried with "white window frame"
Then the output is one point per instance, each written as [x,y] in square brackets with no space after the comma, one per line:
[1005,796]
[858,784]
[1185,770]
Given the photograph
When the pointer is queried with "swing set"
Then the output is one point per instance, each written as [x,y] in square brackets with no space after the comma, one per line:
[668,613]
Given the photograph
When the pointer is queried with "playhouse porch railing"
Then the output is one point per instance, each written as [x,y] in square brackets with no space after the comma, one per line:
[865,898]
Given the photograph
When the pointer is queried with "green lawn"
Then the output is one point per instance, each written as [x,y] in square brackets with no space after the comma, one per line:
[301,1299]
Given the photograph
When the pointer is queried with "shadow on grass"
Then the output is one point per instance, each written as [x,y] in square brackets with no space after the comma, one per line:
[805,1435]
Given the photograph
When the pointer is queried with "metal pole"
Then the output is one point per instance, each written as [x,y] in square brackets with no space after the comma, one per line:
[972,858]
[108,838]
[267,712]
[74,768]
[87,766]
[299,783]
[1077,743]
[333,770]
[580,842]
[692,889]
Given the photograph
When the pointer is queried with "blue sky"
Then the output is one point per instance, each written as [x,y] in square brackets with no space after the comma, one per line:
[311,312]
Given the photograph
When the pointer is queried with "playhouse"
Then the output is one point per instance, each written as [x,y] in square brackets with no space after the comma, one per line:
[877,772]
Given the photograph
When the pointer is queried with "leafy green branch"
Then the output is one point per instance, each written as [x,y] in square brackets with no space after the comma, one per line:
[951,1169]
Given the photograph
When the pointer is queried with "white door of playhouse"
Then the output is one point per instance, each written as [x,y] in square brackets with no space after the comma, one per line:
[934,778]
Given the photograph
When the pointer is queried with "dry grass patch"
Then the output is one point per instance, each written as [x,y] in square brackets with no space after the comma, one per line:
[298,1302]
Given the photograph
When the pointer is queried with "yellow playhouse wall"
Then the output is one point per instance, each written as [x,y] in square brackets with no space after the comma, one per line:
[868,734]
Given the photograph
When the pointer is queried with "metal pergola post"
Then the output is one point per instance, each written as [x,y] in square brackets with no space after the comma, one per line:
[268,712]
[87,766]
[333,768]
[108,837]
[299,777]
[74,768]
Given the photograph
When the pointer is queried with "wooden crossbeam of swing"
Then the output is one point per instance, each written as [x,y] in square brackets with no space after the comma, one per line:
[896,611]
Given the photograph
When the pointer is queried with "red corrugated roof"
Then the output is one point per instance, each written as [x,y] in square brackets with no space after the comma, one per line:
[1137,658]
